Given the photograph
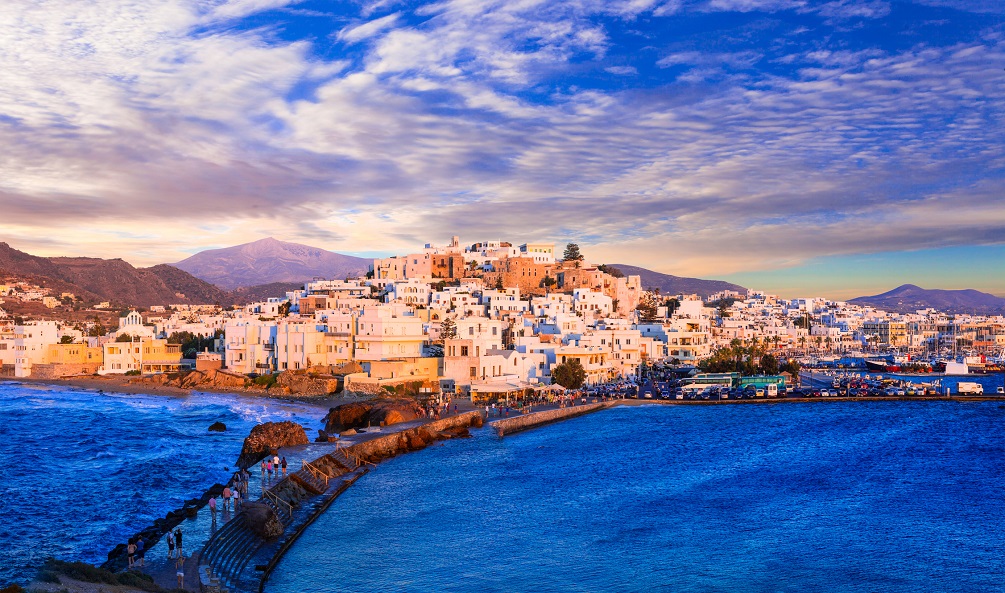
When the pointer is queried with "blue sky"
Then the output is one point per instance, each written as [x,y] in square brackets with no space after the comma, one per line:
[836,148]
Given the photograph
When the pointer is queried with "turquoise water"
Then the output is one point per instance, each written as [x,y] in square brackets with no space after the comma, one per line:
[828,497]
[85,470]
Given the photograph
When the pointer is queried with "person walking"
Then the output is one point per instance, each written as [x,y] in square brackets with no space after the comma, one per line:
[131,552]
[283,462]
[227,493]
[212,507]
[263,470]
[179,567]
[170,541]
[177,542]
[237,499]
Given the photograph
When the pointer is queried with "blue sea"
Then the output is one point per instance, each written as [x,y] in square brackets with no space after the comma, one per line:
[805,497]
[86,470]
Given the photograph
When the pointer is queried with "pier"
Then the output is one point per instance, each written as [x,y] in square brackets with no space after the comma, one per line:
[535,419]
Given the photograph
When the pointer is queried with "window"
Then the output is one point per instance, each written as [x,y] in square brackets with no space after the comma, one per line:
[474,372]
[464,350]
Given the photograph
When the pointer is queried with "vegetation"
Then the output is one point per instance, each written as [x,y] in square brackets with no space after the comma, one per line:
[648,306]
[265,381]
[133,373]
[752,358]
[81,571]
[569,374]
[66,340]
[98,329]
[192,344]
[448,329]
[548,282]
[572,253]
[611,270]
[124,338]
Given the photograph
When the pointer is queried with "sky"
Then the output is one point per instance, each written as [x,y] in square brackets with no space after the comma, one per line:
[832,148]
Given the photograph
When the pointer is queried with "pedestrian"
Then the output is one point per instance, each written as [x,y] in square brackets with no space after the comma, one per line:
[170,541]
[131,552]
[140,552]
[179,566]
[212,506]
[237,498]
[263,470]
[455,409]
[177,542]
[284,466]
[275,463]
[268,468]
[226,498]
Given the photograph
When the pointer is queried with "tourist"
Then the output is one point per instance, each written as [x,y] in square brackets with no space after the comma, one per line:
[170,541]
[140,552]
[131,552]
[212,506]
[284,466]
[180,571]
[177,542]
[263,470]
[275,464]
[237,499]
[226,498]
[268,469]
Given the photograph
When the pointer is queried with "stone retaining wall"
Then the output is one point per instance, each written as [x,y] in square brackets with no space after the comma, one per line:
[527,421]
[394,443]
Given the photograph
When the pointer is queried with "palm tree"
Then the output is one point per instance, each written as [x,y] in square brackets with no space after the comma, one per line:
[802,343]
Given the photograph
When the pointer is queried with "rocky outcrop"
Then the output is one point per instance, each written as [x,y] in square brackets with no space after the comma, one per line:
[218,427]
[377,412]
[308,384]
[213,378]
[262,519]
[268,437]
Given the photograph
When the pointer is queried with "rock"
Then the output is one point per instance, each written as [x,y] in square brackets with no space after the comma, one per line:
[348,433]
[322,437]
[268,437]
[218,427]
[375,412]
[477,421]
[262,520]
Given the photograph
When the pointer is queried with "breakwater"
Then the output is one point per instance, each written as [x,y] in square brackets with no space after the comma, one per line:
[368,452]
[535,419]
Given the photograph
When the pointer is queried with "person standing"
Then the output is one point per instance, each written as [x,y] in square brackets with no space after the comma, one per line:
[179,567]
[131,552]
[212,506]
[226,498]
[283,462]
[140,551]
[177,542]
[170,541]
[237,499]
[263,470]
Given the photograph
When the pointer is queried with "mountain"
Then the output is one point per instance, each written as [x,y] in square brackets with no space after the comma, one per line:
[110,280]
[910,298]
[670,285]
[269,260]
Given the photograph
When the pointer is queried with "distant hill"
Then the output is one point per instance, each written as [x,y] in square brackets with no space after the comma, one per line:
[269,260]
[910,298]
[262,292]
[111,280]
[670,285]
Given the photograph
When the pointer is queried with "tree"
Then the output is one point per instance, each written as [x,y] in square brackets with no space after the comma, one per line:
[769,365]
[548,282]
[448,329]
[647,306]
[673,303]
[572,253]
[66,340]
[499,283]
[98,329]
[570,374]
[284,309]
[611,270]
[124,338]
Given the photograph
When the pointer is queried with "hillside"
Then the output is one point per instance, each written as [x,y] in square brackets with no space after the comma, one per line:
[669,285]
[909,298]
[113,280]
[268,261]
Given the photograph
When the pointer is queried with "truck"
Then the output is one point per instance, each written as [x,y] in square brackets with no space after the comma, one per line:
[969,388]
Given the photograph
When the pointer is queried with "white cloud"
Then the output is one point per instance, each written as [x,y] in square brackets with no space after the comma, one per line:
[369,29]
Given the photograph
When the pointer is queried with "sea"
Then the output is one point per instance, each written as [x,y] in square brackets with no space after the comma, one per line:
[84,471]
[809,496]
[785,497]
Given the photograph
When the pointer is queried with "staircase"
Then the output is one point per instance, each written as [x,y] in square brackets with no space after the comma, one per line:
[229,550]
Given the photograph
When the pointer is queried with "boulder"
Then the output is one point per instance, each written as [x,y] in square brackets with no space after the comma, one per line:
[322,437]
[348,433]
[268,437]
[477,421]
[262,519]
[218,427]
[375,412]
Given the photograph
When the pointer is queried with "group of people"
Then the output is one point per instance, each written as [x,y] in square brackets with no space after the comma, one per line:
[136,548]
[272,466]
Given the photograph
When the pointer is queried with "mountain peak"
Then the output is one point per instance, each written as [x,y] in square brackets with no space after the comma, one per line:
[270,260]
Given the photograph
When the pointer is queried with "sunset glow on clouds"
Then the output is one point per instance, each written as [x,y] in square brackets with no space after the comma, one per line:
[704,138]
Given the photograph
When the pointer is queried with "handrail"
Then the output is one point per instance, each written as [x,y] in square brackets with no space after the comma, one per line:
[316,472]
[282,504]
[358,459]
